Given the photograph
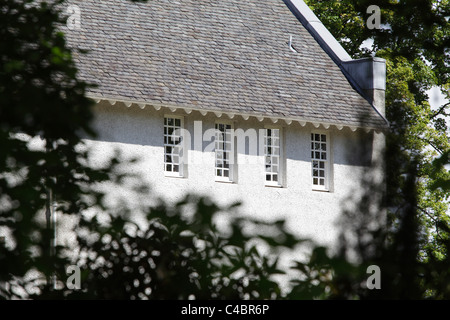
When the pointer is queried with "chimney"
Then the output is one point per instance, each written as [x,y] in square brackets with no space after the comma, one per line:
[369,74]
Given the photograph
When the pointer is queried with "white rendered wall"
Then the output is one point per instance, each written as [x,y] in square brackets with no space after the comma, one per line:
[312,214]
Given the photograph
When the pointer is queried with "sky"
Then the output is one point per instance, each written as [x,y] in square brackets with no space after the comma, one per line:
[437,99]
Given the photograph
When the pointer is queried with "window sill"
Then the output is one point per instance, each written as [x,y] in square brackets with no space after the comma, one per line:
[173,175]
[223,180]
[315,188]
[273,185]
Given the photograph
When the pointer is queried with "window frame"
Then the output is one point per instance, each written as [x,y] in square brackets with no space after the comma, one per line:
[180,173]
[280,172]
[327,162]
[231,168]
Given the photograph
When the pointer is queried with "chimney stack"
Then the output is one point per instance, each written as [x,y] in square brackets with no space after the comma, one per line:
[369,75]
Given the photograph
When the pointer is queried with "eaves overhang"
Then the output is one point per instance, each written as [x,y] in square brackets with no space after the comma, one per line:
[187,109]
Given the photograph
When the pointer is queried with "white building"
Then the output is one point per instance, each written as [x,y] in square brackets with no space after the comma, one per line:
[219,70]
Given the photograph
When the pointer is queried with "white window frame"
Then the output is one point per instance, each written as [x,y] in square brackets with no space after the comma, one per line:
[231,166]
[279,173]
[181,145]
[317,156]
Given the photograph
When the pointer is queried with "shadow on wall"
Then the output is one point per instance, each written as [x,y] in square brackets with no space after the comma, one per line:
[363,212]
[358,148]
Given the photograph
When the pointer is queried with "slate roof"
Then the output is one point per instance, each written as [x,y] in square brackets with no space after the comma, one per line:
[224,55]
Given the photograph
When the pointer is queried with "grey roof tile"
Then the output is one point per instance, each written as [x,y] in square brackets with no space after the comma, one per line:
[229,55]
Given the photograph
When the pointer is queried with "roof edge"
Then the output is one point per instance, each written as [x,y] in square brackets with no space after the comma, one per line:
[231,114]
[326,40]
[340,56]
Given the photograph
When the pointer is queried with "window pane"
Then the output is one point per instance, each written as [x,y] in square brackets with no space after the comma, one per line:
[276,151]
[276,142]
[172,144]
[223,145]
[272,154]
[318,159]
